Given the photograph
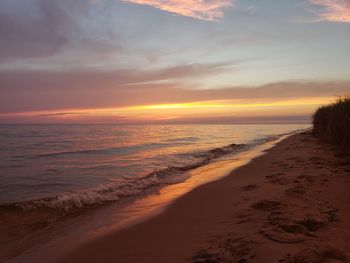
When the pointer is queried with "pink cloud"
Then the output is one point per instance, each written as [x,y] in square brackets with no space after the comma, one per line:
[200,9]
[333,10]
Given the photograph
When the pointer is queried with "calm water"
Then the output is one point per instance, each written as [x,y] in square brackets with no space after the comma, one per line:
[75,165]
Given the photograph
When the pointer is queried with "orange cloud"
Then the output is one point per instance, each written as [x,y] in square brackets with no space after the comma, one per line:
[333,10]
[197,109]
[200,9]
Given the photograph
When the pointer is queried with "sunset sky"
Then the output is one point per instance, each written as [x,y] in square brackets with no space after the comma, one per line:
[167,61]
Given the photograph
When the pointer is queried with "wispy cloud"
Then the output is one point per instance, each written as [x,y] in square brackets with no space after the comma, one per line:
[200,9]
[14,84]
[58,114]
[333,10]
[139,103]
[64,91]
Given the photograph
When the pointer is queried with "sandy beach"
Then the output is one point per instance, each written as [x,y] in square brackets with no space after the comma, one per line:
[289,205]
[172,131]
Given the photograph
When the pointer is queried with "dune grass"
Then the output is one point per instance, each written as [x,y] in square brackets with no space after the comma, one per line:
[331,123]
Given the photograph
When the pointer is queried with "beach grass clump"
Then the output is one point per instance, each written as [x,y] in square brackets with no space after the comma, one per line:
[331,123]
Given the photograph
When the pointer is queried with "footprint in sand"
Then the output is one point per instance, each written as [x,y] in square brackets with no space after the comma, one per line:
[226,250]
[330,212]
[283,228]
[267,205]
[313,224]
[275,177]
[316,255]
[316,160]
[305,178]
[296,160]
[248,187]
[285,233]
[291,231]
[296,191]
[280,181]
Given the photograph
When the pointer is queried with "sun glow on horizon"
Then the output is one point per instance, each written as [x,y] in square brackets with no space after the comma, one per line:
[199,109]
[231,104]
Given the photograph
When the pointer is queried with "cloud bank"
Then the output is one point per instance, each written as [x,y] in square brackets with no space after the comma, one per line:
[282,102]
[333,10]
[200,9]
[41,91]
[24,35]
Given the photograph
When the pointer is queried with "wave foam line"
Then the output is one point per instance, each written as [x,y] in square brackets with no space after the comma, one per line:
[115,190]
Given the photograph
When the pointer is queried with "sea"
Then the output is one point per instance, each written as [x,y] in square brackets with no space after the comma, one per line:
[64,185]
[70,166]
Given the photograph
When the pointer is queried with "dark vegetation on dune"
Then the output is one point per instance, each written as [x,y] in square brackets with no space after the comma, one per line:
[331,123]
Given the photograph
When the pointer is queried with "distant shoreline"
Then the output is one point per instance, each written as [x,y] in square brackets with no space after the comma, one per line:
[291,203]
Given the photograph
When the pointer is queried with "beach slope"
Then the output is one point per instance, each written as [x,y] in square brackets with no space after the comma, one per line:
[289,205]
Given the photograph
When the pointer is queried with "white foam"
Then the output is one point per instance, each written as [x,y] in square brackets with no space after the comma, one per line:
[114,190]
[109,192]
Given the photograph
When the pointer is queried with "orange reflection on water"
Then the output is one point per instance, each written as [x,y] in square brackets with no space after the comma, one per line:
[155,202]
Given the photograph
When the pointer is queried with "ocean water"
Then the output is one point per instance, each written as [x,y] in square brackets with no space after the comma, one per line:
[72,166]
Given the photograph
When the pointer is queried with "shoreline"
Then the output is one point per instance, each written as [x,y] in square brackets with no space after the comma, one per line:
[92,224]
[292,205]
[102,194]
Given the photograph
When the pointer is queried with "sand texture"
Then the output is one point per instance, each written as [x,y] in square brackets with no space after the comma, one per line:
[290,205]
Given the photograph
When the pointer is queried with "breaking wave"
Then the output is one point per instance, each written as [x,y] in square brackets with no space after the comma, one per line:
[126,186]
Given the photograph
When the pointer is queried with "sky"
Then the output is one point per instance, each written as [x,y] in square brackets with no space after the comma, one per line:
[167,61]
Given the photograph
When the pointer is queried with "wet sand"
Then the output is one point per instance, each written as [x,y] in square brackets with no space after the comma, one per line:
[289,205]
